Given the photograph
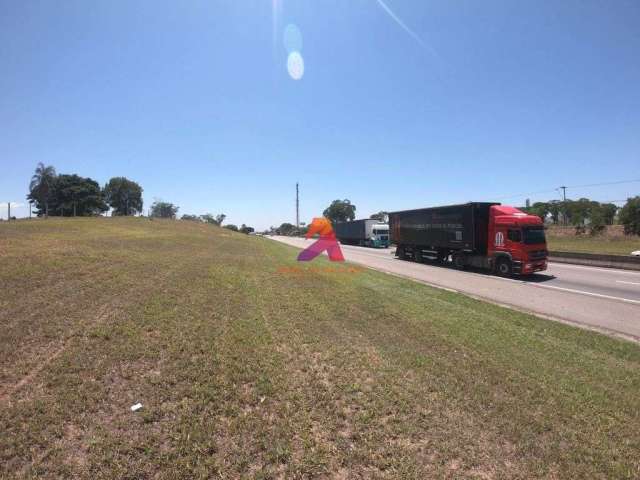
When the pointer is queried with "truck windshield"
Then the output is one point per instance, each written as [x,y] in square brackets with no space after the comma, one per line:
[380,232]
[534,235]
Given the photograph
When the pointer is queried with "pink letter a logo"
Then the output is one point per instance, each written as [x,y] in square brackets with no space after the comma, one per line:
[327,242]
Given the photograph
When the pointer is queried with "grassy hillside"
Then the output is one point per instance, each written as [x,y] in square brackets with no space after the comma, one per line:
[247,366]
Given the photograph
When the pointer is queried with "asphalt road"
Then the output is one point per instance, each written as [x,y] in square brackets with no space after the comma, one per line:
[603,299]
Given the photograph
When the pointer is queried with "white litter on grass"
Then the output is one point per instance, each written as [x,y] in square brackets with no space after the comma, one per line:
[136,407]
[636,253]
[262,399]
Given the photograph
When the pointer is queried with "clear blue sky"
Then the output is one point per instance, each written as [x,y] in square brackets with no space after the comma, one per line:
[415,104]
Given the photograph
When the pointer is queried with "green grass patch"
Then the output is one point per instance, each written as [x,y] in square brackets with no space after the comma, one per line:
[594,244]
[248,367]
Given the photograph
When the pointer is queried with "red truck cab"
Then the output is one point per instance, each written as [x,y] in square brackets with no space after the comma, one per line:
[517,243]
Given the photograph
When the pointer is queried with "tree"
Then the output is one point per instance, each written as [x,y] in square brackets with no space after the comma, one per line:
[217,220]
[231,226]
[596,220]
[286,229]
[40,187]
[541,209]
[246,229]
[190,218]
[72,195]
[555,209]
[340,211]
[630,216]
[124,196]
[163,209]
[609,211]
[580,212]
[381,216]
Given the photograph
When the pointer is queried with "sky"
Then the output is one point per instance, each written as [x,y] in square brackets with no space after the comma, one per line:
[222,106]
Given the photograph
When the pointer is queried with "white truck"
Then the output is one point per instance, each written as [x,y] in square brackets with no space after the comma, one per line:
[366,232]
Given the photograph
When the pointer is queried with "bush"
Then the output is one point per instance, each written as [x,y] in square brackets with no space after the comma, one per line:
[163,209]
[596,229]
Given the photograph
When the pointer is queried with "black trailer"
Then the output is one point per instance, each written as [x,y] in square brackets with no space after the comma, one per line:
[439,233]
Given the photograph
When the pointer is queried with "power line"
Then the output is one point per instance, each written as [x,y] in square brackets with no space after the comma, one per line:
[605,183]
[526,194]
[617,182]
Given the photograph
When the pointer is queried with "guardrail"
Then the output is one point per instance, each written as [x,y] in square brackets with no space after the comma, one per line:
[626,262]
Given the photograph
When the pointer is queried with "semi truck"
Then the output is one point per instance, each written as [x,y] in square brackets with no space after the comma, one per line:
[483,235]
[367,232]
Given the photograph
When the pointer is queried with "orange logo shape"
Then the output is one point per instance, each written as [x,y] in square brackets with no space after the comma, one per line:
[327,242]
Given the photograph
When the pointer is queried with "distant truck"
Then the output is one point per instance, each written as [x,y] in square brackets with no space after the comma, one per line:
[366,233]
[490,236]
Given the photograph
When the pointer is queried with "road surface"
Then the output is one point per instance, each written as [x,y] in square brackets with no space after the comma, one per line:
[602,299]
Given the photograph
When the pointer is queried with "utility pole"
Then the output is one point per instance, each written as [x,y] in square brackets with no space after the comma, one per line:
[30,204]
[297,207]
[564,204]
[8,211]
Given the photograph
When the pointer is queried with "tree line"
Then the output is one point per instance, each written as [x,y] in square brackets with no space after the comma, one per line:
[54,194]
[217,220]
[337,211]
[73,195]
[584,214]
[588,214]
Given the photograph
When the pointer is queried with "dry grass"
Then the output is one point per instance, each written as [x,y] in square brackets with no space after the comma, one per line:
[611,241]
[249,369]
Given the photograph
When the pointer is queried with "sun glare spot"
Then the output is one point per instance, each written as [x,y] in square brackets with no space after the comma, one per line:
[292,38]
[295,65]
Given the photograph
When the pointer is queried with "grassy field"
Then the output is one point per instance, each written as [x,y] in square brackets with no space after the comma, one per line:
[594,245]
[250,366]
[585,243]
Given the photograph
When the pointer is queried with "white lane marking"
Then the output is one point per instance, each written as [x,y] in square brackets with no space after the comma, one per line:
[591,294]
[597,269]
[381,253]
[628,283]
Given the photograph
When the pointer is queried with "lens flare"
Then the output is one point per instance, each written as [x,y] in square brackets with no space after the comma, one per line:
[292,38]
[295,65]
[276,13]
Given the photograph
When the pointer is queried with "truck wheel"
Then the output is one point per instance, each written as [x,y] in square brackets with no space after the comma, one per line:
[400,253]
[458,261]
[504,268]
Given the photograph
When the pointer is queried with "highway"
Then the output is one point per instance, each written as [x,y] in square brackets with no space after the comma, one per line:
[607,300]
